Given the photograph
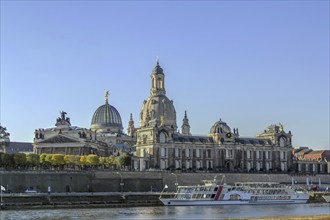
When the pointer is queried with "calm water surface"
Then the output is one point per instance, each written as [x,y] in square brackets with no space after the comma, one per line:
[166,212]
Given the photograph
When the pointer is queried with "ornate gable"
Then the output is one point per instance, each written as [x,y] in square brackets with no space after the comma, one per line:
[59,139]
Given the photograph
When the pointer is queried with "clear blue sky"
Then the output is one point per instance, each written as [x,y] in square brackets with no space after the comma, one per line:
[250,63]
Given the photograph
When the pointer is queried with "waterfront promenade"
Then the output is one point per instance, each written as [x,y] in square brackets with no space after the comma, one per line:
[20,201]
[128,181]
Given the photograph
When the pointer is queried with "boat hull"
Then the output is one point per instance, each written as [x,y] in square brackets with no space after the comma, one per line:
[176,202]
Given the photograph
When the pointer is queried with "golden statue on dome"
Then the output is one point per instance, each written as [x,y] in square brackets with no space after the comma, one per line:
[106,95]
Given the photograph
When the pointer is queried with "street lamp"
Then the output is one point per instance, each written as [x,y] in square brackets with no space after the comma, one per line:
[121,182]
[176,181]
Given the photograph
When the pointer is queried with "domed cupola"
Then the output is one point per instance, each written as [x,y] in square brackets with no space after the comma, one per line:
[220,127]
[106,118]
[157,69]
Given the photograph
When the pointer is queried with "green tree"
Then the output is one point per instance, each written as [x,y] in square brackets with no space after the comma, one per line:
[7,160]
[33,160]
[1,160]
[76,159]
[111,161]
[82,160]
[67,160]
[58,160]
[49,159]
[103,161]
[92,160]
[20,160]
[122,160]
[42,160]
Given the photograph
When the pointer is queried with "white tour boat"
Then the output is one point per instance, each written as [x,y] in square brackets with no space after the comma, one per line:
[239,193]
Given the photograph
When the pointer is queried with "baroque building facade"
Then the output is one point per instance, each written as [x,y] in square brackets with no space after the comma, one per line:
[105,136]
[158,144]
[161,146]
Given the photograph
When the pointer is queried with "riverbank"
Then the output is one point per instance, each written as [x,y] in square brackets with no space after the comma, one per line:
[112,181]
[19,201]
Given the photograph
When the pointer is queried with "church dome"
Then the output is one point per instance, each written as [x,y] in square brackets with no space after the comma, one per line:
[220,127]
[158,110]
[106,119]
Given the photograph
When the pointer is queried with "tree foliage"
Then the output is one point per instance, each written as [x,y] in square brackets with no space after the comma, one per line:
[92,160]
[58,160]
[20,160]
[33,160]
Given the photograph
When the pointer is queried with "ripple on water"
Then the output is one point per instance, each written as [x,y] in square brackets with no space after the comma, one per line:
[166,212]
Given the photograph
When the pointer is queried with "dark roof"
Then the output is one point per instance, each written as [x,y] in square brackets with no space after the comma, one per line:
[122,146]
[19,147]
[192,139]
[254,141]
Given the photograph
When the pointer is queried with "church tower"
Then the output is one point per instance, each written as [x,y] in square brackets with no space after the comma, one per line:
[157,81]
[158,110]
[157,124]
[185,125]
[131,128]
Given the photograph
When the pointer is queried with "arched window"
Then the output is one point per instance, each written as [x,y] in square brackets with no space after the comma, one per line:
[282,142]
[144,141]
[162,137]
[160,83]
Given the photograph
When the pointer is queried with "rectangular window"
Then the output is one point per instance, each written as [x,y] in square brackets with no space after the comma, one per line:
[163,152]
[177,152]
[248,154]
[198,164]
[198,152]
[208,154]
[188,164]
[177,164]
[229,154]
[258,154]
[163,164]
[187,152]
[258,165]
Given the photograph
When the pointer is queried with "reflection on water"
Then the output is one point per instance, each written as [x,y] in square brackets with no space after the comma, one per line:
[166,212]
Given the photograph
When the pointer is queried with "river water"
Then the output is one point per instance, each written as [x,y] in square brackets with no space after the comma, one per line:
[167,212]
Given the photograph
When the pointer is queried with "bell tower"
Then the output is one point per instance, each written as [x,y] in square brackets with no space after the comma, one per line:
[131,128]
[157,81]
[185,125]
